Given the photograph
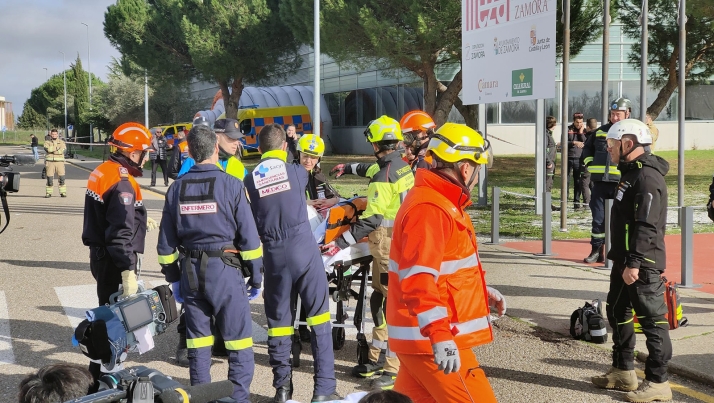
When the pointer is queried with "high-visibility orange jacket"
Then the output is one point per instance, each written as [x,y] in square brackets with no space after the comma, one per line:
[437,290]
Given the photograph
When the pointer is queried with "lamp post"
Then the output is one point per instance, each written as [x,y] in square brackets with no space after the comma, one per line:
[64,76]
[47,115]
[89,73]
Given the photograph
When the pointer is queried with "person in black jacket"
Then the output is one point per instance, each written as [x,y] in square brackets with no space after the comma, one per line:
[550,153]
[576,142]
[710,207]
[292,138]
[159,156]
[637,224]
[604,175]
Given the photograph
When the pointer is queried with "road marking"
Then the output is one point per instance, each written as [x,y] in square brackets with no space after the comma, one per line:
[6,354]
[683,390]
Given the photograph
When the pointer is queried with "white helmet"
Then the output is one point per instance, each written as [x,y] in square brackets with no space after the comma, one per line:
[633,127]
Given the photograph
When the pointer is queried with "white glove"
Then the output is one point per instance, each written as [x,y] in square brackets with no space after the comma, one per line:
[496,300]
[446,356]
[151,224]
[128,283]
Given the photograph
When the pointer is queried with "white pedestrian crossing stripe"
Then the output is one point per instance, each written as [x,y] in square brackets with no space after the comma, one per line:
[6,354]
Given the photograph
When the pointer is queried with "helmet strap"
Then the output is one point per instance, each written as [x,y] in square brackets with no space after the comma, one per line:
[131,166]
[624,155]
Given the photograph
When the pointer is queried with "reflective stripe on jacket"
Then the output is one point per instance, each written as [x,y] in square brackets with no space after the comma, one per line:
[596,158]
[54,150]
[437,290]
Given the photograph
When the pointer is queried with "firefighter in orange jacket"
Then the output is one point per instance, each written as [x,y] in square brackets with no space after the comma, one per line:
[438,303]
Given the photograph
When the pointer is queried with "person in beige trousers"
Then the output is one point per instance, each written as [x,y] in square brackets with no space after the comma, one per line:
[54,163]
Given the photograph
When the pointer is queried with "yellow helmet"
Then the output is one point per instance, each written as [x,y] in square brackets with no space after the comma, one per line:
[311,144]
[383,129]
[456,142]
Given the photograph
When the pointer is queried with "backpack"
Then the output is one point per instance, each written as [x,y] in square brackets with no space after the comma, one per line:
[587,323]
[342,215]
[674,308]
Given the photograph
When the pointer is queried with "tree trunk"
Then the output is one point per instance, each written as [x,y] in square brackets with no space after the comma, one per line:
[469,112]
[231,98]
[668,89]
[431,85]
[446,99]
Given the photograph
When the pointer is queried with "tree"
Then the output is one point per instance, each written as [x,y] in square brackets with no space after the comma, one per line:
[30,118]
[417,35]
[585,27]
[663,44]
[229,42]
[81,102]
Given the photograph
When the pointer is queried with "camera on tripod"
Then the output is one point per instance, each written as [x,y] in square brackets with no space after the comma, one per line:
[111,331]
[144,385]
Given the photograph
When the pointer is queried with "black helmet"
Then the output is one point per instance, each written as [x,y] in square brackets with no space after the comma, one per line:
[201,120]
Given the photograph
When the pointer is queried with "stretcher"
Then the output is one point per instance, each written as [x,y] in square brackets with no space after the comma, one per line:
[348,274]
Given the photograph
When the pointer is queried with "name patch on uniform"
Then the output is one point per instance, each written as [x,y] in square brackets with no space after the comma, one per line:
[269,172]
[126,198]
[280,187]
[123,171]
[199,208]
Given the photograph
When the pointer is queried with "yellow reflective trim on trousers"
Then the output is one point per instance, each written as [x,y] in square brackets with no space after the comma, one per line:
[627,237]
[624,323]
[168,259]
[650,260]
[281,331]
[241,344]
[319,319]
[662,323]
[252,254]
[200,342]
[588,160]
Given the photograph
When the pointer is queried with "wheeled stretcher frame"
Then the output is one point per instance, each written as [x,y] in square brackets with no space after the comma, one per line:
[341,280]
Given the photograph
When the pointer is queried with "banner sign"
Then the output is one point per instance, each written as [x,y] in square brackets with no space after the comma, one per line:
[508,50]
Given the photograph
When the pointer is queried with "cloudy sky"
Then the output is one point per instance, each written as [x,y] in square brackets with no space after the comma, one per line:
[33,32]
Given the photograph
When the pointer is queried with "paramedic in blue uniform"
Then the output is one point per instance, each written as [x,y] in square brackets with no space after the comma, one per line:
[207,217]
[229,136]
[292,261]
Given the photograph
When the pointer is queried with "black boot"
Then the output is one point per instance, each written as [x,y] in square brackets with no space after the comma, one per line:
[384,382]
[594,255]
[284,392]
[366,370]
[601,252]
[323,398]
[182,352]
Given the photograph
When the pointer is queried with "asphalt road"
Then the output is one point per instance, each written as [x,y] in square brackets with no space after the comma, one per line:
[45,284]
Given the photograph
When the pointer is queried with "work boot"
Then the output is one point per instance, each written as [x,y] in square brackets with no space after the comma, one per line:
[328,398]
[63,194]
[616,378]
[601,255]
[48,195]
[366,370]
[595,255]
[651,392]
[182,352]
[284,392]
[384,382]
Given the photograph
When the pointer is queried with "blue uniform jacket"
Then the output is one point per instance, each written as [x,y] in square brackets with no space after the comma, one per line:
[207,209]
[277,194]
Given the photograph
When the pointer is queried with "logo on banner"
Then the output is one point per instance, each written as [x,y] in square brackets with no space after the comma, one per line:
[476,51]
[485,13]
[199,208]
[538,45]
[530,8]
[504,46]
[485,85]
[522,82]
[280,187]
[269,172]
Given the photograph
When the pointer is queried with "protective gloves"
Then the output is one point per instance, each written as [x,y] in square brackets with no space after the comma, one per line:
[253,293]
[176,288]
[151,224]
[330,249]
[128,283]
[496,300]
[338,170]
[446,356]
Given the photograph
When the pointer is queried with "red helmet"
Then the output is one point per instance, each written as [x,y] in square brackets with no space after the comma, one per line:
[131,137]
[414,121]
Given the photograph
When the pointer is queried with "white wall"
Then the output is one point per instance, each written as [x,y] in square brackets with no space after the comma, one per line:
[697,134]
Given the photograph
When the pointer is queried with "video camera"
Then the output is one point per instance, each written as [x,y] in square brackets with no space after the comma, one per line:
[10,181]
[110,331]
[141,384]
